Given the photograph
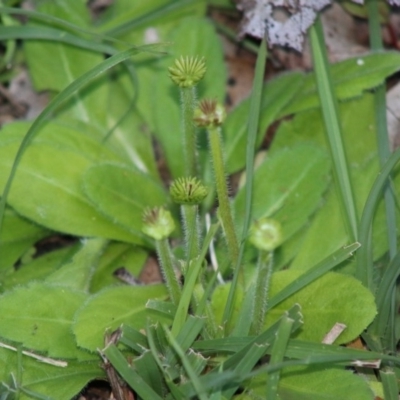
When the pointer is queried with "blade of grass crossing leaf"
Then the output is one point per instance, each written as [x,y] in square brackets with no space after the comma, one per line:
[200,390]
[384,153]
[131,377]
[375,35]
[59,99]
[254,114]
[383,323]
[389,383]
[277,355]
[65,25]
[149,371]
[364,264]
[190,282]
[333,127]
[53,34]
[314,273]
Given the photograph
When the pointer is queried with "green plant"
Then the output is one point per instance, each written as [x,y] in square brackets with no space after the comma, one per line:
[92,174]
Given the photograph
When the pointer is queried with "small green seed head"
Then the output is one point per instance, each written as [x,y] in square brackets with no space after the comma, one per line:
[187,71]
[157,223]
[266,234]
[188,191]
[209,114]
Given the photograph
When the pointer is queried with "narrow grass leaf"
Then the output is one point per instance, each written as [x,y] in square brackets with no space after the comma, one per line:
[253,120]
[190,282]
[150,372]
[277,355]
[133,338]
[314,273]
[131,377]
[390,385]
[333,127]
[200,390]
[364,260]
[384,294]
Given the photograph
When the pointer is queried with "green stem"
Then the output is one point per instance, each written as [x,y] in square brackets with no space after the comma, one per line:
[168,270]
[264,272]
[191,230]
[222,193]
[188,99]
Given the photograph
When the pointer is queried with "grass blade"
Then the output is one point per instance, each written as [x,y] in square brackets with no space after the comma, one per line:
[277,355]
[390,386]
[131,377]
[190,282]
[364,265]
[254,114]
[200,391]
[314,273]
[333,128]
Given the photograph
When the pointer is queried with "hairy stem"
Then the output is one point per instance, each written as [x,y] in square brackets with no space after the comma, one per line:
[225,211]
[264,272]
[191,230]
[188,100]
[168,270]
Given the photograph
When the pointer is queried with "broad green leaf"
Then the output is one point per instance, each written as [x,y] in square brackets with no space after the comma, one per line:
[40,317]
[126,304]
[52,177]
[328,228]
[47,380]
[122,194]
[288,187]
[295,92]
[115,256]
[350,79]
[160,102]
[131,137]
[316,383]
[17,236]
[73,136]
[330,299]
[38,269]
[77,272]
[65,63]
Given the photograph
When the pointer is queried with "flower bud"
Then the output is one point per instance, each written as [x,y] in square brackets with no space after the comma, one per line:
[157,223]
[209,114]
[266,234]
[188,191]
[187,71]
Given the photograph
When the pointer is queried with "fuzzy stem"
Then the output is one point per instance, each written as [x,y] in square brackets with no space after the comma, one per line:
[188,101]
[167,268]
[222,193]
[264,272]
[191,230]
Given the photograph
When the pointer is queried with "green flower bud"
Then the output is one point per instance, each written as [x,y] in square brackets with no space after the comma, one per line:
[266,234]
[188,191]
[187,71]
[209,114]
[157,223]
